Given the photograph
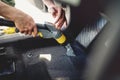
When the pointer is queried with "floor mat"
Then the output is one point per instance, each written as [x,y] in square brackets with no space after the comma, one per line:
[60,65]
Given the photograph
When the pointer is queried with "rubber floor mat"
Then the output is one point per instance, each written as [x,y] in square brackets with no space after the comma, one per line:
[89,32]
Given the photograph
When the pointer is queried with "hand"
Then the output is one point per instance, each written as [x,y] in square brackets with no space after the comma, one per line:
[25,23]
[59,14]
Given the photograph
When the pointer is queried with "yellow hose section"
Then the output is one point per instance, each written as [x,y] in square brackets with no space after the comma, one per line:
[40,34]
[10,30]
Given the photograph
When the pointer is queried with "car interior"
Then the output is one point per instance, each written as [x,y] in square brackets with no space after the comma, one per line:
[90,51]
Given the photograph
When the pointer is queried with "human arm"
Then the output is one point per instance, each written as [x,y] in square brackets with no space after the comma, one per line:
[57,12]
[23,22]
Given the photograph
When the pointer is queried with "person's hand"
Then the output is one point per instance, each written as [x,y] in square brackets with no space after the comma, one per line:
[59,14]
[22,21]
[25,23]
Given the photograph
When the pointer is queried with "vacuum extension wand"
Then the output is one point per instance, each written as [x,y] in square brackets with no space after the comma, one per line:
[46,30]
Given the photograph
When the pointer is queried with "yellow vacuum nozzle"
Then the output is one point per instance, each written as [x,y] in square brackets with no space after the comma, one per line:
[61,39]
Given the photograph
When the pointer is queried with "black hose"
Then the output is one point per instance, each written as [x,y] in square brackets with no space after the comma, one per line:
[4,22]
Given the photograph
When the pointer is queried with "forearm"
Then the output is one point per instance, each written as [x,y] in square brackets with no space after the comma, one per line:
[7,11]
[48,3]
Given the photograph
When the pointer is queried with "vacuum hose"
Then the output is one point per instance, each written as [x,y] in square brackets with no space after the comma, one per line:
[46,30]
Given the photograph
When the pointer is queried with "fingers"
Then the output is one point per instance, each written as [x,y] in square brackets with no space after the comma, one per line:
[60,20]
[24,31]
[31,31]
[52,11]
[35,31]
[59,15]
[61,25]
[28,29]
